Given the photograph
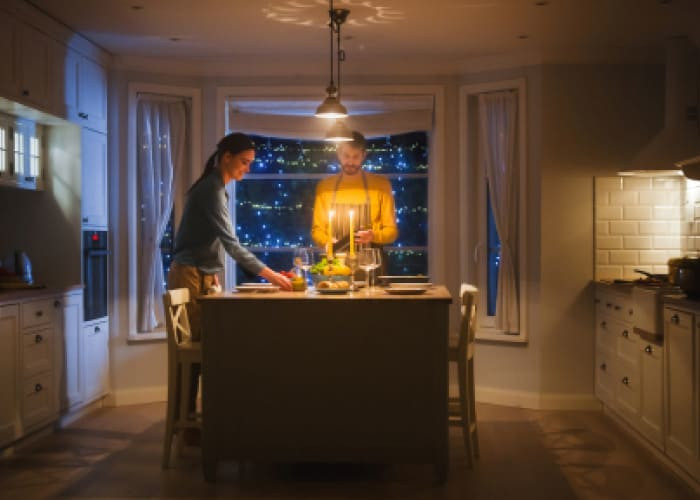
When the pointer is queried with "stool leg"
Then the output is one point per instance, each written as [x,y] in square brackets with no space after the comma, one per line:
[473,428]
[185,388]
[170,412]
[463,404]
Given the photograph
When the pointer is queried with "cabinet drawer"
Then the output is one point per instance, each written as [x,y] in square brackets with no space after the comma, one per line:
[608,330]
[38,312]
[37,352]
[678,318]
[615,306]
[605,362]
[37,400]
[628,346]
[627,391]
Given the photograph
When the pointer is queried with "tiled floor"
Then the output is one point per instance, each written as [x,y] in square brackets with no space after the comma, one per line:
[115,452]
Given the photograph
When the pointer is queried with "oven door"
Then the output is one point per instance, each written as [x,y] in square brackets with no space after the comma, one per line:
[95,276]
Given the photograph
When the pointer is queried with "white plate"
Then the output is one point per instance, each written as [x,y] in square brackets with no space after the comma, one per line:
[257,287]
[405,291]
[411,285]
[403,279]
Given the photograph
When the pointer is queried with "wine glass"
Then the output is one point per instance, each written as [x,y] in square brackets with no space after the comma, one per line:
[377,265]
[367,260]
[352,262]
[303,258]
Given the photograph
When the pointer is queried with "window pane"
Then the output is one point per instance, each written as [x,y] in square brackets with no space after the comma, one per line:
[292,156]
[493,257]
[406,262]
[167,245]
[275,213]
[398,154]
[411,199]
[277,261]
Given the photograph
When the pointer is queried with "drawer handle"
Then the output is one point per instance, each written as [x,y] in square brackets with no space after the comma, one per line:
[83,115]
[85,219]
[603,367]
[608,304]
[39,313]
[617,308]
[25,92]
[97,329]
[38,388]
[648,349]
[603,324]
[625,333]
[38,339]
[675,319]
[57,303]
[625,380]
[631,312]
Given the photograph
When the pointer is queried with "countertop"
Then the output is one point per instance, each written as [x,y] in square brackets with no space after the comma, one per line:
[616,287]
[681,300]
[438,292]
[16,294]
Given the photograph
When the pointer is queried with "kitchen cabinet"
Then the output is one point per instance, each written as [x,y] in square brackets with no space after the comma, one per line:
[9,354]
[96,364]
[91,110]
[37,363]
[651,405]
[94,180]
[69,352]
[9,55]
[681,383]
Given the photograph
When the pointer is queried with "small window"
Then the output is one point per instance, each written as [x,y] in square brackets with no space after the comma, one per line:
[3,150]
[493,245]
[34,157]
[19,151]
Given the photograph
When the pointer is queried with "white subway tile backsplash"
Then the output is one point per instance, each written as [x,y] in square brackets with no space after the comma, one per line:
[604,212]
[624,227]
[660,269]
[653,227]
[652,257]
[659,198]
[602,198]
[624,257]
[609,242]
[608,272]
[608,183]
[696,212]
[602,257]
[629,273]
[624,198]
[602,228]
[638,242]
[667,183]
[636,213]
[668,212]
[636,183]
[667,242]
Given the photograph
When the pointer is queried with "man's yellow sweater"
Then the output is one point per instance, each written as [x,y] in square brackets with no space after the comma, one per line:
[351,190]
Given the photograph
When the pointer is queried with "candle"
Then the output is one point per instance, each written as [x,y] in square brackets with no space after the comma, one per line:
[330,234]
[352,235]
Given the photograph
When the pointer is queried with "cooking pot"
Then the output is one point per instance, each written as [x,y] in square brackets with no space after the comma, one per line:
[685,273]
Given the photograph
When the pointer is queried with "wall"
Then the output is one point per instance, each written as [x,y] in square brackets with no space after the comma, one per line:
[637,225]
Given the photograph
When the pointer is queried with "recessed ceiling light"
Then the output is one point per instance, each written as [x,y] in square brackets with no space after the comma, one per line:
[174,39]
[523,37]
[664,2]
[137,7]
[541,3]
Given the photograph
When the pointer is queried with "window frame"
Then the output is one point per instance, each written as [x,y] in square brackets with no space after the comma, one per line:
[195,126]
[472,204]
[436,176]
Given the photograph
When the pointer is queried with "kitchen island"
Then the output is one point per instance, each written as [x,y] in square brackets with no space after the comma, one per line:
[300,377]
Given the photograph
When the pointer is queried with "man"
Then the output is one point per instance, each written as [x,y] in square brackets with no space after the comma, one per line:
[367,195]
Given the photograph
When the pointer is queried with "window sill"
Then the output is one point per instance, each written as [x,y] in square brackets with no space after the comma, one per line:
[499,336]
[138,338]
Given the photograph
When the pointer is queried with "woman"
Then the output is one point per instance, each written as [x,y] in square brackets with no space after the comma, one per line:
[205,228]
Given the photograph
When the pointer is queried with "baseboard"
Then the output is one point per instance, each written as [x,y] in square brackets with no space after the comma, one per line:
[135,396]
[536,400]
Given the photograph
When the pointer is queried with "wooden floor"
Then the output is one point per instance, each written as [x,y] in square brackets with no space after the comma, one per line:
[115,452]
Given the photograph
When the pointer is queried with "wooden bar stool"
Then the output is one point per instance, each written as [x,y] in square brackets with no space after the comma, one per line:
[182,354]
[461,351]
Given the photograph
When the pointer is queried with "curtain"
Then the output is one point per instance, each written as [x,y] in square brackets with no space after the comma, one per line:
[497,141]
[161,168]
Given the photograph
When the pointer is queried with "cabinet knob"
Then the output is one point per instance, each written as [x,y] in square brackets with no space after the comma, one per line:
[603,366]
[39,313]
[57,303]
[675,319]
[630,312]
[625,380]
[648,349]
[608,304]
[625,333]
[97,329]
[617,308]
[38,339]
[83,115]
[603,324]
[38,388]
[25,92]
[85,219]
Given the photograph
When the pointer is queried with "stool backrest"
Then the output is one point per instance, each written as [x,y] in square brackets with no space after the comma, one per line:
[177,323]
[468,295]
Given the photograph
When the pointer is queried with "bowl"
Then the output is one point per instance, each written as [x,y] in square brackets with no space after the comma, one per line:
[317,278]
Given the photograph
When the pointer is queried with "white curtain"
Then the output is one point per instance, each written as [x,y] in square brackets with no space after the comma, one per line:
[162,143]
[497,133]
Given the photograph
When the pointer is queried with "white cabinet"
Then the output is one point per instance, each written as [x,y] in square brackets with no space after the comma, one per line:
[96,349]
[94,180]
[69,352]
[92,95]
[681,383]
[9,354]
[9,55]
[651,407]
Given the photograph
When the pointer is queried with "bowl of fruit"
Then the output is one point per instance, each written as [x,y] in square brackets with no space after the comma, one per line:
[330,273]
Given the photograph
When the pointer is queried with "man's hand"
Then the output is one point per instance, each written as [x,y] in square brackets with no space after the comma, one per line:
[364,237]
[276,279]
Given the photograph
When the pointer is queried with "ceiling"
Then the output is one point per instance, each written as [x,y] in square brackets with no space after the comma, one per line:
[380,35]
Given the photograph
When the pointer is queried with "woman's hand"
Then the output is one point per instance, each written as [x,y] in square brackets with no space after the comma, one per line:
[364,237]
[276,279]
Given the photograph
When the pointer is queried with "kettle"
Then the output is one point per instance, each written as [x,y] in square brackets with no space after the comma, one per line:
[23,267]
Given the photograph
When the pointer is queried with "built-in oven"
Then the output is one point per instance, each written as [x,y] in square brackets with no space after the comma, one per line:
[95,266]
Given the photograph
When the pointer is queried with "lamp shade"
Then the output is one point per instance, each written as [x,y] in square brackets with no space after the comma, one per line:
[331,108]
[339,132]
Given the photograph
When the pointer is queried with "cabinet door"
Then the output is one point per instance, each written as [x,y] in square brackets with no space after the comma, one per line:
[9,55]
[37,352]
[605,376]
[69,373]
[651,414]
[37,401]
[681,387]
[34,63]
[64,77]
[96,349]
[627,391]
[9,354]
[92,95]
[94,180]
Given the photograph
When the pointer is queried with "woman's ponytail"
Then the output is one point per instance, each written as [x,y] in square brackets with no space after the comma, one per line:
[208,169]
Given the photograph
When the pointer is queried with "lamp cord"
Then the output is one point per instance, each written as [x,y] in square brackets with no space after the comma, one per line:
[330,25]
